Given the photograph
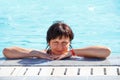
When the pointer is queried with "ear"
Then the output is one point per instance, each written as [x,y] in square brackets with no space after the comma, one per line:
[70,46]
[48,43]
[48,46]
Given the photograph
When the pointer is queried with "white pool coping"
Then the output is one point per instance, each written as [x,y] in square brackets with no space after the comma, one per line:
[75,68]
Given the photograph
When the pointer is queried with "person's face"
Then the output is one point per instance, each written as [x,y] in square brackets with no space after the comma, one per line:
[59,46]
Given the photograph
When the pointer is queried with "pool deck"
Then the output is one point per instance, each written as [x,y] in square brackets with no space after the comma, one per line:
[75,68]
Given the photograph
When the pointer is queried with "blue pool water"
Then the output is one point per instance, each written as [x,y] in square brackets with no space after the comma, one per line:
[94,22]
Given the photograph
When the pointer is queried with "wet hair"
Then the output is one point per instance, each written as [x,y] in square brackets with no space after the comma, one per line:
[58,30]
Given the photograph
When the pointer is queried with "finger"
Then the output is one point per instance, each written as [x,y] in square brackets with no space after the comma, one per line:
[64,56]
[61,57]
[50,58]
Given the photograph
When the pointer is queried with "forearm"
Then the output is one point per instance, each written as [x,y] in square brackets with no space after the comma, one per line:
[93,51]
[16,52]
[39,54]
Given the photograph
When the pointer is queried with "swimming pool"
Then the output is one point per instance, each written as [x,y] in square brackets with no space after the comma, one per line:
[24,22]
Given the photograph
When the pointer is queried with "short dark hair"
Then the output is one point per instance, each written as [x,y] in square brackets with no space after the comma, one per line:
[59,29]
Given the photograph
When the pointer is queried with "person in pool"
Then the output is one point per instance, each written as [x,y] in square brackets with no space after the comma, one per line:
[59,37]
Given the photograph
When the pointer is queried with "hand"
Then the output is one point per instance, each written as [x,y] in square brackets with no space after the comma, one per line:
[62,56]
[40,54]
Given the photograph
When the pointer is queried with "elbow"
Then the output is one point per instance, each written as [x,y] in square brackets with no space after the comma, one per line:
[106,52]
[6,53]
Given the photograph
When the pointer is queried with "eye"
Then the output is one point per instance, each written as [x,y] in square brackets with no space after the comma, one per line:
[55,43]
[64,43]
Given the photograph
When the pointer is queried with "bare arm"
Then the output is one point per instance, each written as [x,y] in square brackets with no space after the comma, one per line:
[18,52]
[93,52]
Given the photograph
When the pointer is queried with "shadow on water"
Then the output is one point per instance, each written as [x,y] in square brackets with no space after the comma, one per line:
[45,62]
[33,61]
[83,59]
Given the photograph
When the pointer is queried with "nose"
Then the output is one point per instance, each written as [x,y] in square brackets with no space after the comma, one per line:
[60,47]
